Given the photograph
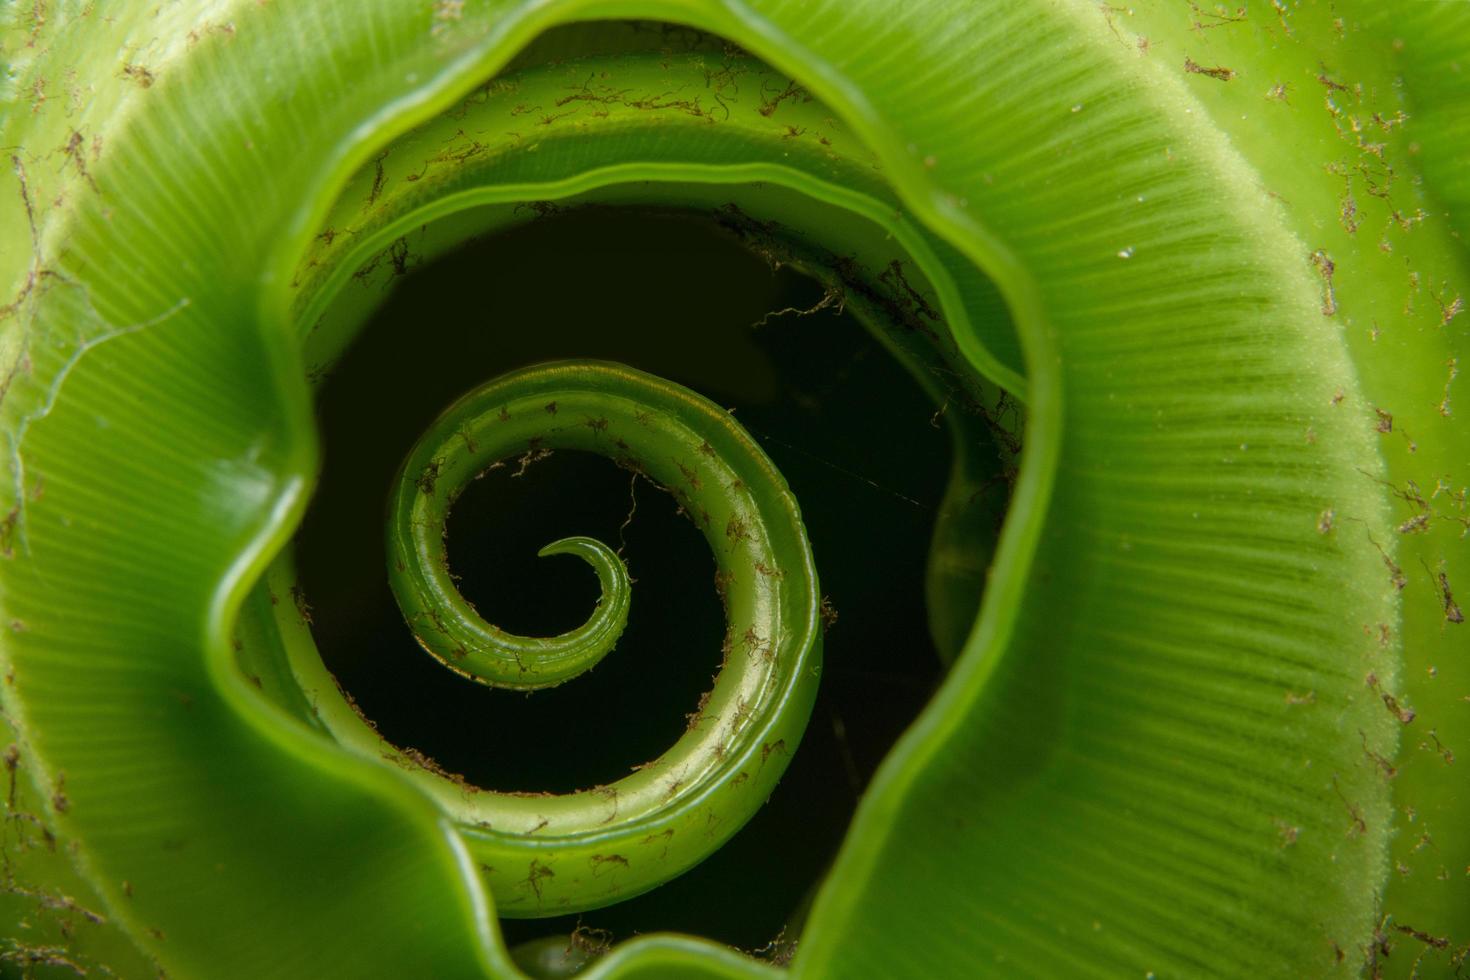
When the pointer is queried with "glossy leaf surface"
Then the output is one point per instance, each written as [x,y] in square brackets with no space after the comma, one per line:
[1207,715]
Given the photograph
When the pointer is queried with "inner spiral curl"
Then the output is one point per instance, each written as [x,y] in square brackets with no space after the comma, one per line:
[611,842]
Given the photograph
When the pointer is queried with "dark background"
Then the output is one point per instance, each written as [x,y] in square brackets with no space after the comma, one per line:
[672,295]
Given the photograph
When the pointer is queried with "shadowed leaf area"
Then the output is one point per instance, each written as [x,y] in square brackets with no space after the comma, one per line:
[840,418]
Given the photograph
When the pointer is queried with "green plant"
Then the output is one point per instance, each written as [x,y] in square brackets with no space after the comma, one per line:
[1206,717]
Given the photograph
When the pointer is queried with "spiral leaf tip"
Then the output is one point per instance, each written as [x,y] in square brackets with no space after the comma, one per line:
[673,811]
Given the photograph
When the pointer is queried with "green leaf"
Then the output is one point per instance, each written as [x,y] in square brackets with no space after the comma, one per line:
[1206,717]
